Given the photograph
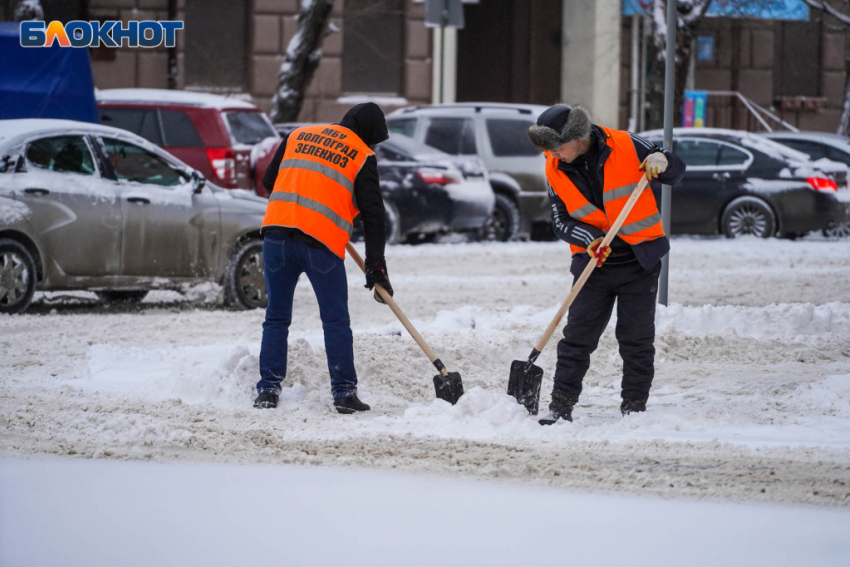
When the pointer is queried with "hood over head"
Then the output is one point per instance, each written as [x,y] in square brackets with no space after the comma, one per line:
[368,122]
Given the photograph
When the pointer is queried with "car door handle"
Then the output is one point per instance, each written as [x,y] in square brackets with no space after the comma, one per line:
[722,176]
[139,200]
[37,191]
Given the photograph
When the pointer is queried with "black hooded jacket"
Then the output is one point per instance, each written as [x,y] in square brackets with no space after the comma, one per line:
[368,123]
[587,174]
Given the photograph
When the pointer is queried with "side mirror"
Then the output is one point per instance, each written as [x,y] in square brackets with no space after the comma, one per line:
[198,181]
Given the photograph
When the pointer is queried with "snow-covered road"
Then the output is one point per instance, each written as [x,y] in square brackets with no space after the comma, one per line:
[102,514]
[751,399]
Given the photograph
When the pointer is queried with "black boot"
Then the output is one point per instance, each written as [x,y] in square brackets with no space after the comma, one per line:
[629,406]
[350,404]
[561,407]
[267,400]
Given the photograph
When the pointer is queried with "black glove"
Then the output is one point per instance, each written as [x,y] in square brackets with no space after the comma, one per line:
[376,273]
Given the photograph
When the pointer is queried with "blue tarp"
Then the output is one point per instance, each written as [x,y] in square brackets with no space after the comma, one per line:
[766,9]
[44,82]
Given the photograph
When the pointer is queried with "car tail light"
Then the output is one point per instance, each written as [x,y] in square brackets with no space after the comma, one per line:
[822,184]
[439,176]
[223,162]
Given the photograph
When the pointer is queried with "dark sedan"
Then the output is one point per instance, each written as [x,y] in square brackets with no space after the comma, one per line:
[738,183]
[427,192]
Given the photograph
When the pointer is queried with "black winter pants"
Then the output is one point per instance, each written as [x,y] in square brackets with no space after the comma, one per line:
[635,291]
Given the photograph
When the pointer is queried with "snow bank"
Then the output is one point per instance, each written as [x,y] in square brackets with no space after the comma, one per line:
[785,320]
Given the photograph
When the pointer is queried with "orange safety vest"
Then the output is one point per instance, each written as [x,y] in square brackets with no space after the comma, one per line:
[621,175]
[314,189]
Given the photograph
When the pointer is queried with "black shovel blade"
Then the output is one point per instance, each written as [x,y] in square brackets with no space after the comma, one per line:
[524,384]
[449,388]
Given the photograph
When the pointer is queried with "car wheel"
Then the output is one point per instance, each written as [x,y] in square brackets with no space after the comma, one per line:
[244,281]
[17,276]
[122,296]
[839,231]
[748,215]
[503,224]
[393,230]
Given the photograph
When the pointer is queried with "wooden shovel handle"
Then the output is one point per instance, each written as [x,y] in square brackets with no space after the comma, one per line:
[395,309]
[627,208]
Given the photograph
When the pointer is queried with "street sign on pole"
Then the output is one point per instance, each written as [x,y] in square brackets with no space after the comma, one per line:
[444,13]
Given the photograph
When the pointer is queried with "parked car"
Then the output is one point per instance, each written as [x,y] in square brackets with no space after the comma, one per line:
[427,192]
[497,134]
[90,207]
[740,183]
[222,137]
[818,146]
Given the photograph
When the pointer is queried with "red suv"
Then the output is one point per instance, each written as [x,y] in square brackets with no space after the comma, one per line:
[226,139]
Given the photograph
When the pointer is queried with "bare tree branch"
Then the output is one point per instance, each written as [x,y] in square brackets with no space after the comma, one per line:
[27,10]
[301,60]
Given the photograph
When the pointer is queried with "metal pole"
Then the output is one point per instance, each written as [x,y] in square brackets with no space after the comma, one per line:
[172,51]
[669,88]
[645,23]
[633,119]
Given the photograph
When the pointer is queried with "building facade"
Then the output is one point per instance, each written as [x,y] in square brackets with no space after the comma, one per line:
[524,51]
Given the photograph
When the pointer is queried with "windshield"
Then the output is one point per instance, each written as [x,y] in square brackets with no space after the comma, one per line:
[249,127]
[410,146]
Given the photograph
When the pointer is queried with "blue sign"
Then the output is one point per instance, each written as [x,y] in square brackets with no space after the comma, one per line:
[705,48]
[766,9]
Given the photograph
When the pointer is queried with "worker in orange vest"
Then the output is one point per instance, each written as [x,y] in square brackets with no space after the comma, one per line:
[320,179]
[592,171]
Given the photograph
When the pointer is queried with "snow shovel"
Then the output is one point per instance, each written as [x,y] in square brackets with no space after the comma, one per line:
[526,377]
[448,385]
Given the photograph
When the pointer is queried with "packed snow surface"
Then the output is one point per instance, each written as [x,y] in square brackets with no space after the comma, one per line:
[751,399]
[99,513]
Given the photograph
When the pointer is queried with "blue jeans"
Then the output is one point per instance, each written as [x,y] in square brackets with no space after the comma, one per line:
[283,261]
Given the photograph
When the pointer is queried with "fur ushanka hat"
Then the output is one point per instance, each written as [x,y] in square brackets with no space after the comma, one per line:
[559,125]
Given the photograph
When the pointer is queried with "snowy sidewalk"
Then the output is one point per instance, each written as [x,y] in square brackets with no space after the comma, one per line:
[751,399]
[99,513]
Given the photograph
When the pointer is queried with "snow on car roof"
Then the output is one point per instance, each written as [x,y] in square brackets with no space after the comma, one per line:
[466,107]
[834,140]
[14,132]
[165,96]
[748,139]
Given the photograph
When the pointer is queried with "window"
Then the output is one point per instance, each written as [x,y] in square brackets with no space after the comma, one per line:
[731,156]
[179,130]
[215,43]
[248,127]
[813,149]
[837,155]
[799,53]
[66,154]
[388,151]
[373,54]
[510,138]
[455,136]
[697,153]
[139,121]
[133,163]
[405,127]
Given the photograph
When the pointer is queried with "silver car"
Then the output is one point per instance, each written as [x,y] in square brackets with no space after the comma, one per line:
[90,207]
[497,134]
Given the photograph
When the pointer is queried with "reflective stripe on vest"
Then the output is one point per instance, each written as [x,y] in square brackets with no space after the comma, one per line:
[621,175]
[314,189]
